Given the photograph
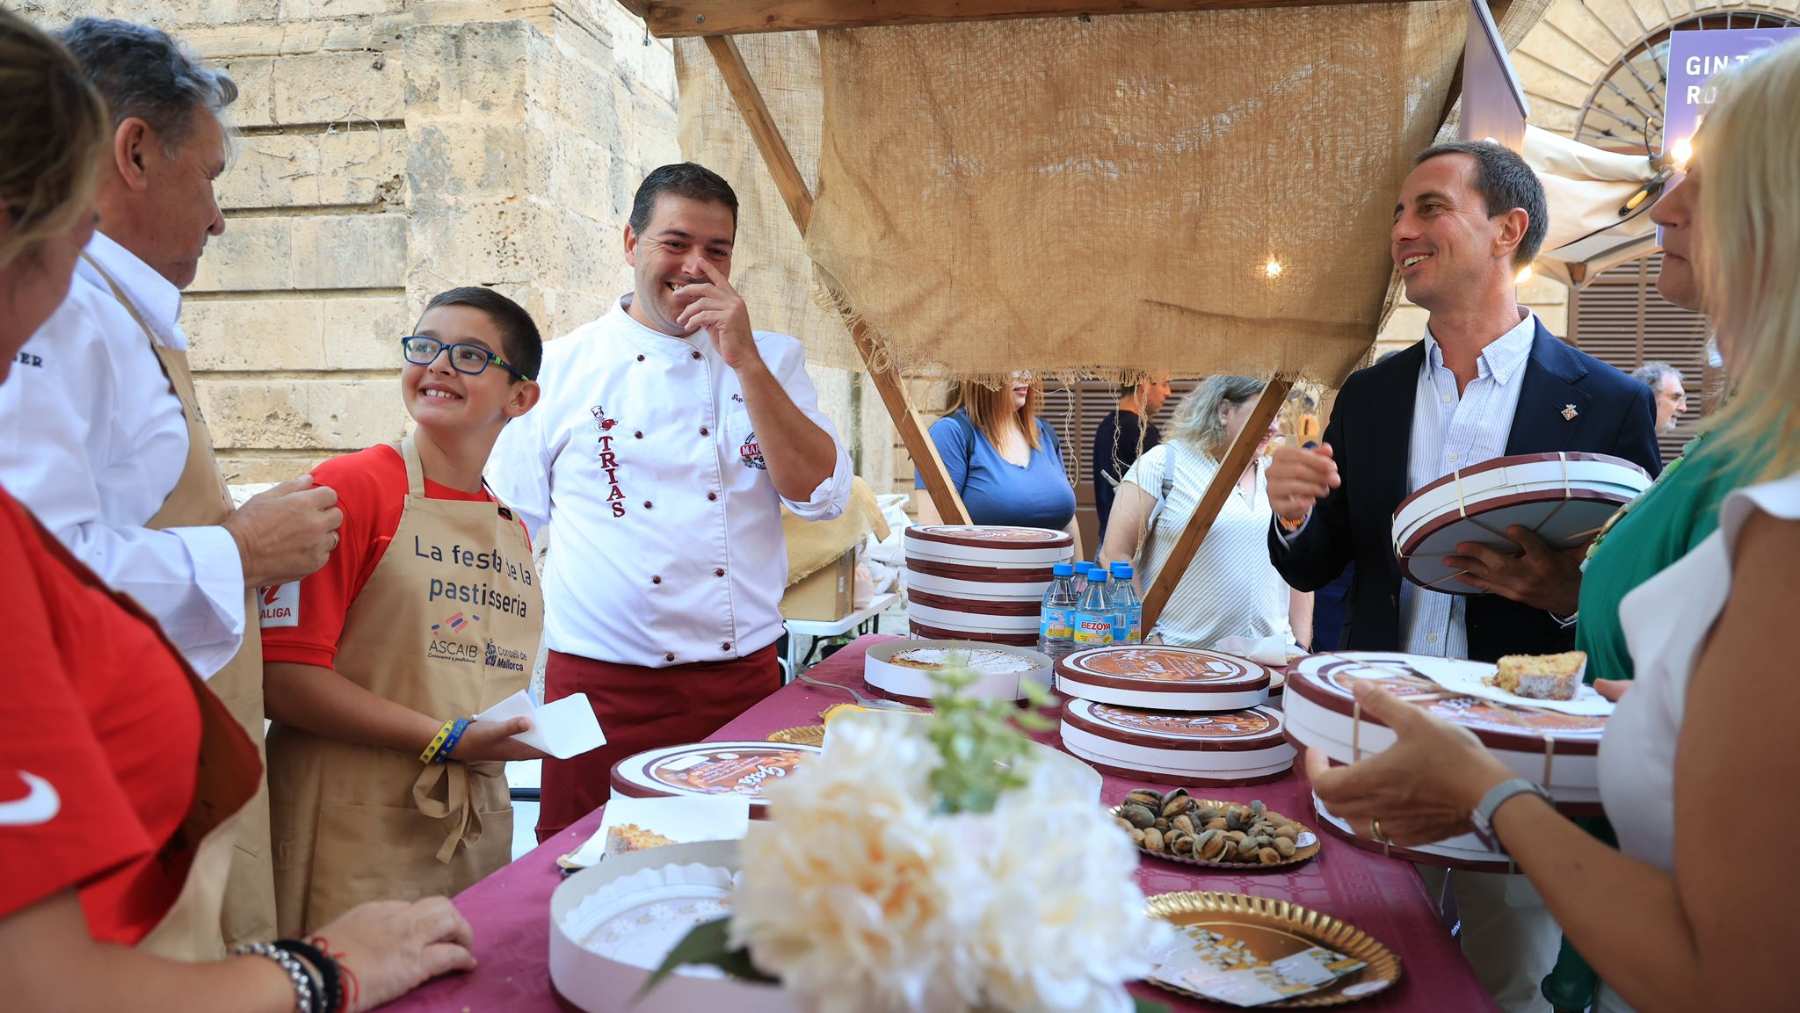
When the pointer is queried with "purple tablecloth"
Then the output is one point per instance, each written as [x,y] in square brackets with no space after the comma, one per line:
[1384,897]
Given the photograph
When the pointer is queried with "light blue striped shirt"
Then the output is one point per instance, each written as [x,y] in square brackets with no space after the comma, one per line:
[1451,432]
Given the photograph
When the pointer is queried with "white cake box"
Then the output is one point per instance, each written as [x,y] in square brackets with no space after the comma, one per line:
[1556,750]
[1028,640]
[972,621]
[989,545]
[1000,668]
[1010,589]
[1564,497]
[1464,851]
[1161,677]
[709,768]
[611,925]
[1213,750]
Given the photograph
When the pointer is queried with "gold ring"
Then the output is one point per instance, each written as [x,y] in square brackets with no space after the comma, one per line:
[1375,831]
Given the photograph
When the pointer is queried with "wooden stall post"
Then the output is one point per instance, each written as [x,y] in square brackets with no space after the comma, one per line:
[799,201]
[1236,459]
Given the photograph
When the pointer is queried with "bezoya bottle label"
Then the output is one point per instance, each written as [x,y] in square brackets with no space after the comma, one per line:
[1093,629]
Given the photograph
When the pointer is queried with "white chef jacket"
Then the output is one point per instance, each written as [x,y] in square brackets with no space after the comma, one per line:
[92,440]
[666,545]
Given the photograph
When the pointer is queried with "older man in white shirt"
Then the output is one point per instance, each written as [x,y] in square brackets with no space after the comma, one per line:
[100,434]
[668,438]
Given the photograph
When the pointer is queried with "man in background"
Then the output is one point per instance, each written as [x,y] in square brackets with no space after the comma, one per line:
[1124,434]
[1664,381]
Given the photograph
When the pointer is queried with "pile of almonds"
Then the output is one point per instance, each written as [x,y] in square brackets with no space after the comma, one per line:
[1178,824]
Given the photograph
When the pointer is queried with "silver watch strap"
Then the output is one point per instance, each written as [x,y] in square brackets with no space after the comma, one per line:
[1483,815]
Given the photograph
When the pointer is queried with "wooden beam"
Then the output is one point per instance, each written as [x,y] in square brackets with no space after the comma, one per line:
[798,197]
[678,18]
[1213,500]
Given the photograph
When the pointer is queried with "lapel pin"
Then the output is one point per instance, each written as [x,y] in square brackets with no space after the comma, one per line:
[1569,413]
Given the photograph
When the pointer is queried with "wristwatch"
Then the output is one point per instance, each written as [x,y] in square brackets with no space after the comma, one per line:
[1483,816]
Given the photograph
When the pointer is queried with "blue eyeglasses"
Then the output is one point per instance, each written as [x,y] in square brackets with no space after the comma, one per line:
[467,359]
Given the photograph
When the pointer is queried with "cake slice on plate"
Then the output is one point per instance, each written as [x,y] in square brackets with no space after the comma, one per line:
[1541,676]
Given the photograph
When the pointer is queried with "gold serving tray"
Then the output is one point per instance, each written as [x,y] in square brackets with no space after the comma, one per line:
[1273,929]
[1300,854]
[805,735]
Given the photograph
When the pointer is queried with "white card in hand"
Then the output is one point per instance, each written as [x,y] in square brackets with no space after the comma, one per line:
[562,728]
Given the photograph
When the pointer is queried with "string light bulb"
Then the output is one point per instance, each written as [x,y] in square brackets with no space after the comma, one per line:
[1272,268]
[1681,151]
[1524,275]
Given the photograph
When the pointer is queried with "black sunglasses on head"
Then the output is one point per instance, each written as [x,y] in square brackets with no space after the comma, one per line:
[467,359]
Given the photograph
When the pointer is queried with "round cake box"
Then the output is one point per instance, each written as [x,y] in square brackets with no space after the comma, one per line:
[1004,589]
[989,545]
[709,768]
[1321,711]
[1233,747]
[972,620]
[1161,677]
[930,632]
[903,668]
[1464,851]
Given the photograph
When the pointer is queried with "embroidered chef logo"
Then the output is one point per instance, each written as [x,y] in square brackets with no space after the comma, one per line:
[501,657]
[750,452]
[609,460]
[279,605]
[442,648]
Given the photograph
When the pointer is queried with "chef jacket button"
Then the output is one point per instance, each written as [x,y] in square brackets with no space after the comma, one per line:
[725,645]
[640,357]
[655,580]
[669,656]
[720,572]
[712,496]
[639,434]
[696,355]
[703,431]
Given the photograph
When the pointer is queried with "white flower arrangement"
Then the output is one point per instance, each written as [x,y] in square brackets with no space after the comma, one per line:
[926,864]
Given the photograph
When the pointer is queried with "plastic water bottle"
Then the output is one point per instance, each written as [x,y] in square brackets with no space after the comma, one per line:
[1081,572]
[1056,622]
[1128,625]
[1093,620]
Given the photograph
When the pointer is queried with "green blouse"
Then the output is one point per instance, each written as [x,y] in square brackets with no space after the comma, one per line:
[1668,521]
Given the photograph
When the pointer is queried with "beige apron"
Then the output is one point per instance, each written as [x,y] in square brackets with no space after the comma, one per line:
[448,624]
[200,499]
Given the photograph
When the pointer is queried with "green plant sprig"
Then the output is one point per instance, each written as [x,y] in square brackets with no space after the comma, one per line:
[982,742]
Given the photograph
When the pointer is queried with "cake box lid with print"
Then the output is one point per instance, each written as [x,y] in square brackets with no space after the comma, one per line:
[1222,748]
[989,545]
[1557,750]
[709,768]
[1162,677]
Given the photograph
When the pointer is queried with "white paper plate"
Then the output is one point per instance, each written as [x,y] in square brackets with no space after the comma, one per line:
[1464,851]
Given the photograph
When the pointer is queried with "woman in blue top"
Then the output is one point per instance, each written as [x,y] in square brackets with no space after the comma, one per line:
[1004,461]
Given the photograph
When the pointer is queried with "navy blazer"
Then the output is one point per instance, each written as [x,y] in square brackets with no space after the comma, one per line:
[1371,437]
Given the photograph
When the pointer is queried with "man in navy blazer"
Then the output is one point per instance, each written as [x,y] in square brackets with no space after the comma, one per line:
[1488,380]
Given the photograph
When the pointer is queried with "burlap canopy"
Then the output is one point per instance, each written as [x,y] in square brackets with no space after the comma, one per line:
[1197,192]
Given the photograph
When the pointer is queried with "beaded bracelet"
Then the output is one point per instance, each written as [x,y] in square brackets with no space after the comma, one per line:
[305,995]
[437,742]
[449,746]
[330,983]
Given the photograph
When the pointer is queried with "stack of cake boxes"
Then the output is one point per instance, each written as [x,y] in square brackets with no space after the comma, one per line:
[979,582]
[1172,715]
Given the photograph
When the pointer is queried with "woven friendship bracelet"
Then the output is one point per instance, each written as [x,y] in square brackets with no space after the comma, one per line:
[306,993]
[437,742]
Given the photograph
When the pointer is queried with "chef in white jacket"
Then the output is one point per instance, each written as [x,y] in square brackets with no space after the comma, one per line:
[668,438]
[100,433]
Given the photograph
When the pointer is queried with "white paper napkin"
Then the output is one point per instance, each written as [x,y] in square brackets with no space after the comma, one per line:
[1273,649]
[1466,677]
[562,728]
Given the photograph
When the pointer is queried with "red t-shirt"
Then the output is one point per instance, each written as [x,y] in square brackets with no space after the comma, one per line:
[302,622]
[99,741]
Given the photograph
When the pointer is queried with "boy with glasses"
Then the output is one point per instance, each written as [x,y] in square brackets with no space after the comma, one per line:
[427,613]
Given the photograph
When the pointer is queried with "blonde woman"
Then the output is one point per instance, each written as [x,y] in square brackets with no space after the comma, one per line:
[1682,917]
[1230,588]
[114,758]
[1005,461]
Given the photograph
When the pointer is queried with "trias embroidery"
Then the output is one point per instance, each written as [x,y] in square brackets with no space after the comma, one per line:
[609,460]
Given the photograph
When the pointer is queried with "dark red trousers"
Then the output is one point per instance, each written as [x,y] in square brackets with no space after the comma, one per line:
[639,709]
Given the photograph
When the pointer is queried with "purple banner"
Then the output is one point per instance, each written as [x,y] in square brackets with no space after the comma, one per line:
[1694,59]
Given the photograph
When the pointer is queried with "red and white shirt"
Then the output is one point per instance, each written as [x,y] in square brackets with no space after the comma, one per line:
[99,741]
[302,621]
